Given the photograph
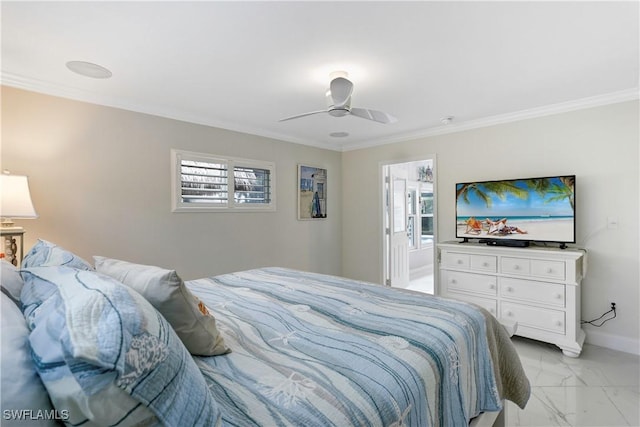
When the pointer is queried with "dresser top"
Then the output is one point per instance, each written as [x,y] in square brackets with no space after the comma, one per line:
[532,250]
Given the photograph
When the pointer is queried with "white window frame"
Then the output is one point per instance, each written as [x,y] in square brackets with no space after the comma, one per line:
[177,205]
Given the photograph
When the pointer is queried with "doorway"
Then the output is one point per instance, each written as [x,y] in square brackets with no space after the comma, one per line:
[409,225]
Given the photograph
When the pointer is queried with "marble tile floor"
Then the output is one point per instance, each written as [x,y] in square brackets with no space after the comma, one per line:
[600,388]
[422,284]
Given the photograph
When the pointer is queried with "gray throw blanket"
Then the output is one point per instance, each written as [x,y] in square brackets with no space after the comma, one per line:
[512,382]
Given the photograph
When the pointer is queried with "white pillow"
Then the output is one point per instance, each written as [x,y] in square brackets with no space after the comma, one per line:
[21,387]
[167,293]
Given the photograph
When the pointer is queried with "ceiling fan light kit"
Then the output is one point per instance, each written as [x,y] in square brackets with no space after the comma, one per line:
[339,101]
[338,73]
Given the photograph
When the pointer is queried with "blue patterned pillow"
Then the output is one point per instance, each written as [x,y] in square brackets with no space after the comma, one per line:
[20,384]
[11,282]
[106,355]
[44,254]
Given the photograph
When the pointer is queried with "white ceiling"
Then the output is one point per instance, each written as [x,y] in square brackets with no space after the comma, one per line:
[245,65]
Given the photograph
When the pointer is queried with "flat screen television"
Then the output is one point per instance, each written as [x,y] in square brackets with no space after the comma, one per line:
[517,211]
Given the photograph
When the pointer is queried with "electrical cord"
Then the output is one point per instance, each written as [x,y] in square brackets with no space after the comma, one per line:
[592,322]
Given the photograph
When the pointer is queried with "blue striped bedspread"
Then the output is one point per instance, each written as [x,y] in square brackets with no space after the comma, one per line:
[316,350]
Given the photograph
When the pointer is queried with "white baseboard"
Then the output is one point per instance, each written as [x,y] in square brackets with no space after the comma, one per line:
[421,271]
[614,342]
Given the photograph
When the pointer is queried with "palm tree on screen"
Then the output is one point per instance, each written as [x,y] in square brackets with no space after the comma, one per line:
[486,190]
[543,186]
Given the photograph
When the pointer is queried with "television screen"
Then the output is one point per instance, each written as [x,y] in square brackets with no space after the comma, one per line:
[532,209]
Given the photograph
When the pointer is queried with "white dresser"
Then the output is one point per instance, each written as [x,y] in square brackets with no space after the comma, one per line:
[536,287]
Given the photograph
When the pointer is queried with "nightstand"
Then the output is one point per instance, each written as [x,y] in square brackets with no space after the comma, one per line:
[10,245]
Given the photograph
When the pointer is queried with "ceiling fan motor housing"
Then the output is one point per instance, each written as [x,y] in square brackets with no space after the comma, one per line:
[339,111]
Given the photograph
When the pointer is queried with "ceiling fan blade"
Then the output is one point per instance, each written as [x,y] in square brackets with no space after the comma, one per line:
[303,115]
[341,90]
[376,116]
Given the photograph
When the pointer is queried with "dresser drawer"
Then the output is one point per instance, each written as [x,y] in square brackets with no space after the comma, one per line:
[534,317]
[518,266]
[456,260]
[456,281]
[490,305]
[529,290]
[547,269]
[484,263]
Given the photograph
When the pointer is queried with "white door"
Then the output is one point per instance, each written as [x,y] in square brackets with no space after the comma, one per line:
[398,239]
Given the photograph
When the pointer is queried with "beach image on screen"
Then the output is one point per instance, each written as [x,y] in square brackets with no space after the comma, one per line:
[541,209]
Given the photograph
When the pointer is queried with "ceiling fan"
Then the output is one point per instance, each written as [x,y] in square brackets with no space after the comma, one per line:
[339,100]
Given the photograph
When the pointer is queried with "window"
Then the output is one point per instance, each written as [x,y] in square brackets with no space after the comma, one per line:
[420,215]
[426,214]
[210,183]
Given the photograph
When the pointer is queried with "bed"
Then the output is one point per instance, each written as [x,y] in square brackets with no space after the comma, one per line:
[290,348]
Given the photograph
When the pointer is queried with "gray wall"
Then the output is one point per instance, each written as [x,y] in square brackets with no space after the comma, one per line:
[100,181]
[599,145]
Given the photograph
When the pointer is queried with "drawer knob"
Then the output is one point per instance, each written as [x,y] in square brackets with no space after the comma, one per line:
[459,261]
[558,323]
[492,286]
[509,289]
[510,313]
[452,281]
[516,267]
[549,270]
[485,264]
[559,296]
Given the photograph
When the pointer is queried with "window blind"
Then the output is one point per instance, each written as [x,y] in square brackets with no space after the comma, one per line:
[203,182]
[208,183]
[252,185]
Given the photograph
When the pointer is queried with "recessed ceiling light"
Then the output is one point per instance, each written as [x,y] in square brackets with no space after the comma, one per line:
[339,134]
[446,120]
[89,69]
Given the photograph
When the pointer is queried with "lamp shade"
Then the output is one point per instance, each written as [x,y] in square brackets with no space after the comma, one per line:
[16,198]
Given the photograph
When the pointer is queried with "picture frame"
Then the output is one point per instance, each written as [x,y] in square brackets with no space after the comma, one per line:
[312,192]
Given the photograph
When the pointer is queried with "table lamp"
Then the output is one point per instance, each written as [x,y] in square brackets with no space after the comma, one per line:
[15,202]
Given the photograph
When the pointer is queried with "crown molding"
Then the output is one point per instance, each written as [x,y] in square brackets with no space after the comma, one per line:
[47,88]
[41,86]
[547,110]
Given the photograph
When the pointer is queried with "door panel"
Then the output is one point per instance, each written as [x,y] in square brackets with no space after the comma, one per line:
[399,251]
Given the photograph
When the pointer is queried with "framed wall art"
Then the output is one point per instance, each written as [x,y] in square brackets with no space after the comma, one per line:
[312,192]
